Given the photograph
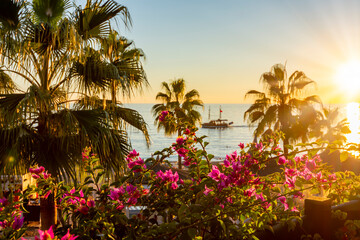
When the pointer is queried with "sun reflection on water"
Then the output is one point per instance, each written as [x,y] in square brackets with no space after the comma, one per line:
[353,117]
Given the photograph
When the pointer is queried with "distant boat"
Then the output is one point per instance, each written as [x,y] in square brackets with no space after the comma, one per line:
[218,123]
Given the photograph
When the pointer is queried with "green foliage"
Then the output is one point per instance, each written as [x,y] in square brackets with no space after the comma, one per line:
[66,54]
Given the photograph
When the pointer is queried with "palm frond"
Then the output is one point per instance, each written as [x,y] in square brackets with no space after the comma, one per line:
[49,11]
[93,20]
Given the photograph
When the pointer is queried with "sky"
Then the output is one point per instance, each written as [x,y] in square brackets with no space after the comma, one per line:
[221,48]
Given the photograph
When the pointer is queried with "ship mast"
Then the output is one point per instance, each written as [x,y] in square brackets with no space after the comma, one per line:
[220,112]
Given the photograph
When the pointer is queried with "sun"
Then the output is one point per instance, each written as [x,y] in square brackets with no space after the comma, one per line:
[348,78]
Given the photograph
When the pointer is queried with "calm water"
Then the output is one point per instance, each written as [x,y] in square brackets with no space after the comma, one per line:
[222,141]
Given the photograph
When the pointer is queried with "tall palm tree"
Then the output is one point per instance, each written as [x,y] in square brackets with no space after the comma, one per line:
[279,107]
[181,103]
[53,48]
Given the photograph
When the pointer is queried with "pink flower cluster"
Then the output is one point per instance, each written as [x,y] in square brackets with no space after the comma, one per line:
[238,174]
[16,224]
[85,154]
[133,160]
[131,193]
[39,173]
[163,115]
[169,178]
[304,168]
[81,204]
[183,149]
[49,235]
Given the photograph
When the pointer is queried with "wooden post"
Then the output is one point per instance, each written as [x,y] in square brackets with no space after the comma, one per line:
[318,216]
[48,216]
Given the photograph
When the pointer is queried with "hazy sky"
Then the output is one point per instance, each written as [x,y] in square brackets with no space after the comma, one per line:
[221,48]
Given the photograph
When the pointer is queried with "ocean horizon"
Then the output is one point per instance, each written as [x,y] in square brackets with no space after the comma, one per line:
[221,141]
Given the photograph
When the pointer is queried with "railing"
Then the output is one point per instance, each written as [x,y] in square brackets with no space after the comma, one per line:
[317,219]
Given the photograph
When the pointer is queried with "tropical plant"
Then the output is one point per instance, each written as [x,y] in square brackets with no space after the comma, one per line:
[279,108]
[329,128]
[54,48]
[179,103]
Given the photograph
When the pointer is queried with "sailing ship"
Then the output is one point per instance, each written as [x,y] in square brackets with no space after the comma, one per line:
[218,123]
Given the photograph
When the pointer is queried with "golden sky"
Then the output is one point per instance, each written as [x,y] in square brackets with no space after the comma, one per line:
[221,48]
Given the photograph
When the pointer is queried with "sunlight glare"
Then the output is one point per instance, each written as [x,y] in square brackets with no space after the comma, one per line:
[353,117]
[348,78]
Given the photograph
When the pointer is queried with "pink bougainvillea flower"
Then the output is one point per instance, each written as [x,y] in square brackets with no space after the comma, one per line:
[259,197]
[180,140]
[174,186]
[47,194]
[46,175]
[241,145]
[132,201]
[37,170]
[120,206]
[282,160]
[82,201]
[259,146]
[35,176]
[207,190]
[81,193]
[311,164]
[215,173]
[133,154]
[4,224]
[90,203]
[18,223]
[332,177]
[250,192]
[130,189]
[46,235]
[131,164]
[290,181]
[294,209]
[182,152]
[68,236]
[187,131]
[282,199]
[226,163]
[4,201]
[163,115]
[145,191]
[116,193]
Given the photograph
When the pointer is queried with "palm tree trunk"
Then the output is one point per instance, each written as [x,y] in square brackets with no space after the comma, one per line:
[48,216]
[179,158]
[47,206]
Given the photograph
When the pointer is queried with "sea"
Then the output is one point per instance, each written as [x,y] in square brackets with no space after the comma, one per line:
[221,141]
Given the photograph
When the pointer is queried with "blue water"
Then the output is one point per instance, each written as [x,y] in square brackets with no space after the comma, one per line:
[222,141]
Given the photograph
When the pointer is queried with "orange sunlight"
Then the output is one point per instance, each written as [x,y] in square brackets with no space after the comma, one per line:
[347,78]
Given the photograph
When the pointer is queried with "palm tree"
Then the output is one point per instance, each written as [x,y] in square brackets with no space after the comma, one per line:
[182,104]
[279,107]
[53,48]
[329,128]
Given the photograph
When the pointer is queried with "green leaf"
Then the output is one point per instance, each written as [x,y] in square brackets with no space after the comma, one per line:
[222,225]
[312,153]
[344,156]
[270,228]
[181,212]
[192,232]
